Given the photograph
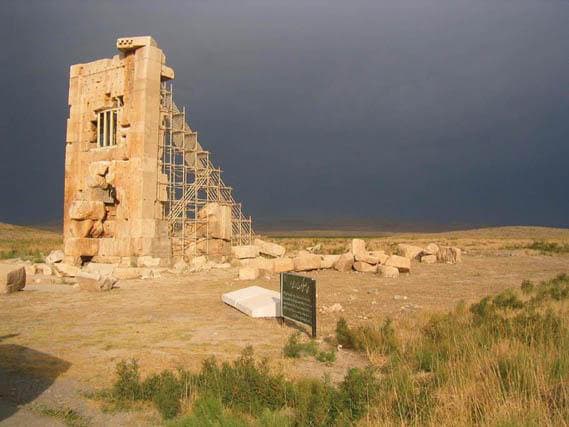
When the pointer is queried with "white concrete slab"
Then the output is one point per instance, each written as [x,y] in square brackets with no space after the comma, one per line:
[255,301]
[231,298]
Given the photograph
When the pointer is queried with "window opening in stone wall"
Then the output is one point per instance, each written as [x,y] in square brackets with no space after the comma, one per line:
[107,127]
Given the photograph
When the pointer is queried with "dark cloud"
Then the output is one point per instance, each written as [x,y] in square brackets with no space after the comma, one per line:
[423,110]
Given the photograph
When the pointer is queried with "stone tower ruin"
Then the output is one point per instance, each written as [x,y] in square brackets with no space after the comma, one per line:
[139,187]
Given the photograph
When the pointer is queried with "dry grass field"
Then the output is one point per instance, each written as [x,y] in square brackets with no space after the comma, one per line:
[66,343]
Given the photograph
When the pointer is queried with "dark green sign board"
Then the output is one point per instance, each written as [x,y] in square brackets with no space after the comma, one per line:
[298,299]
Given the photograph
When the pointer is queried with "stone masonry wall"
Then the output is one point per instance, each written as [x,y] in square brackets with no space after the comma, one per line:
[111,209]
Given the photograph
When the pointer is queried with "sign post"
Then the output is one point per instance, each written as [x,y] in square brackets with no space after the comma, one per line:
[298,299]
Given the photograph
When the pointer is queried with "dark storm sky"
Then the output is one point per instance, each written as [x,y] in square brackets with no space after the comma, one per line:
[418,110]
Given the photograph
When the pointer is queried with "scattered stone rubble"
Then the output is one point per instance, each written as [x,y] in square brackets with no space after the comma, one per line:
[251,261]
[270,258]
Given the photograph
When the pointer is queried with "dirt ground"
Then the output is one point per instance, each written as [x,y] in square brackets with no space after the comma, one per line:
[56,342]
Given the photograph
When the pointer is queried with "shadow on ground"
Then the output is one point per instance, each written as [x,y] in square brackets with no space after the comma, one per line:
[24,375]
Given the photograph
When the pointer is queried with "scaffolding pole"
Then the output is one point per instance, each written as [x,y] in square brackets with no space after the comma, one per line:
[191,183]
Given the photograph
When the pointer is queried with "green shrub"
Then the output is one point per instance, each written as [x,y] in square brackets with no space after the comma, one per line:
[326,356]
[556,290]
[368,338]
[357,392]
[508,299]
[209,412]
[127,386]
[294,348]
[227,392]
[244,385]
[344,335]
[527,287]
[316,403]
[165,391]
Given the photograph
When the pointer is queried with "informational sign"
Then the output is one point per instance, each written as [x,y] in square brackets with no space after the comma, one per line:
[298,299]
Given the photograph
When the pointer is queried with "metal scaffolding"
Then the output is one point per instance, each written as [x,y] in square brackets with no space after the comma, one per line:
[188,182]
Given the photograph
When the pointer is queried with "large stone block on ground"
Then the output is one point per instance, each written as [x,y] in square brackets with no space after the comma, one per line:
[429,259]
[266,264]
[345,262]
[307,262]
[81,247]
[245,251]
[380,255]
[248,273]
[387,271]
[86,209]
[44,269]
[283,265]
[358,246]
[54,257]
[431,249]
[270,248]
[367,257]
[255,301]
[403,264]
[364,267]
[449,255]
[328,261]
[63,269]
[12,278]
[409,251]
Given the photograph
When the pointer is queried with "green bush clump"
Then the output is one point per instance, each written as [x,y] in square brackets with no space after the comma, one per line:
[165,390]
[294,348]
[527,287]
[226,393]
[208,411]
[244,385]
[326,356]
[128,385]
[355,390]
